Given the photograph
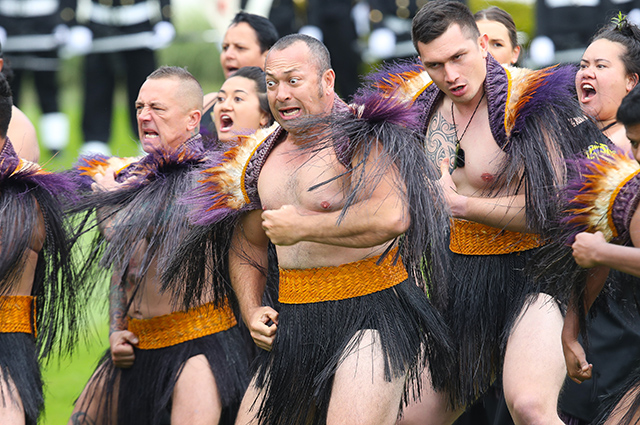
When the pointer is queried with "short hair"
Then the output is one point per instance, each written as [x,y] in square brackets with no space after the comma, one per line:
[494,13]
[435,18]
[257,75]
[624,32]
[266,32]
[319,52]
[191,86]
[6,103]
[629,109]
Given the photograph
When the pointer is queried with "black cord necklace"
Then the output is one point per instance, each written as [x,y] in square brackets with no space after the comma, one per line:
[608,126]
[459,161]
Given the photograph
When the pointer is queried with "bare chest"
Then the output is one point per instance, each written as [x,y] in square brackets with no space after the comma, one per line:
[475,157]
[313,181]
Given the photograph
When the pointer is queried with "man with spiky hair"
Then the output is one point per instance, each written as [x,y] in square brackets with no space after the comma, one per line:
[167,360]
[35,276]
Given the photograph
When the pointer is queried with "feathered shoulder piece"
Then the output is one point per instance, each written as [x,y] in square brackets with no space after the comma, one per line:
[531,91]
[604,197]
[29,198]
[144,211]
[405,80]
[229,183]
[88,167]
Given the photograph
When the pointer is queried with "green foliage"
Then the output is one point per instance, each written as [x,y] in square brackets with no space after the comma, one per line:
[523,14]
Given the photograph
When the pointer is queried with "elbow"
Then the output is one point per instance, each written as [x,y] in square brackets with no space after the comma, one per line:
[397,224]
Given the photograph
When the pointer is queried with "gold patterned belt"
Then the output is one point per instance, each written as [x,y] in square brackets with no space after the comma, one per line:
[471,238]
[180,326]
[18,314]
[364,277]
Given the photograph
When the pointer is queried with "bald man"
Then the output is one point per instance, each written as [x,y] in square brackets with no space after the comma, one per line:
[186,366]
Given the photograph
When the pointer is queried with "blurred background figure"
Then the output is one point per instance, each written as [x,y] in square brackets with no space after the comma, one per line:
[125,34]
[564,27]
[331,22]
[503,36]
[245,44]
[31,34]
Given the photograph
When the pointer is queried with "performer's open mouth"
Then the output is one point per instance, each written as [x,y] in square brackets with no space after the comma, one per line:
[289,112]
[457,90]
[588,92]
[225,123]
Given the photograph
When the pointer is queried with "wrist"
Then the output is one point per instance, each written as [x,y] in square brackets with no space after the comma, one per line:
[460,206]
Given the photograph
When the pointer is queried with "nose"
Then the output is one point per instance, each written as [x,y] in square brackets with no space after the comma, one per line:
[282,93]
[229,53]
[225,104]
[450,73]
[587,71]
[143,113]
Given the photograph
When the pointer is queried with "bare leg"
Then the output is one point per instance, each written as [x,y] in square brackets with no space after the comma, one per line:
[89,407]
[534,368]
[11,410]
[431,409]
[622,408]
[360,393]
[196,399]
[248,411]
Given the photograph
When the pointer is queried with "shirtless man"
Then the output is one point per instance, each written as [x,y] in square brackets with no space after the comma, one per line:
[500,194]
[32,240]
[327,351]
[152,340]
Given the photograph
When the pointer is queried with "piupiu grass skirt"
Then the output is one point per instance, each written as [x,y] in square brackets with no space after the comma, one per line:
[296,376]
[18,355]
[145,390]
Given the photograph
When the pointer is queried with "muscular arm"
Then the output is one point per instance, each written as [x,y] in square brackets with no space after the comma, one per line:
[371,221]
[248,262]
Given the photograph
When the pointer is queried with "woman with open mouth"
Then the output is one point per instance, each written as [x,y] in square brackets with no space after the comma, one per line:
[241,105]
[609,69]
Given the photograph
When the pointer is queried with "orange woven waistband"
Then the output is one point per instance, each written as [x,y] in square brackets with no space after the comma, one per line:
[471,238]
[351,280]
[17,314]
[172,329]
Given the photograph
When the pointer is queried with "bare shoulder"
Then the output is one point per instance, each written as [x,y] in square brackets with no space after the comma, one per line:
[23,136]
[440,140]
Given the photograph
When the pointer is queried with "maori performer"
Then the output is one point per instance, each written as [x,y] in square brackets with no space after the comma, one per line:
[499,136]
[347,196]
[186,364]
[603,228]
[39,299]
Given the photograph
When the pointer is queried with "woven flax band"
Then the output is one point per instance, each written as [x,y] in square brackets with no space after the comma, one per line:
[471,238]
[364,277]
[172,329]
[17,314]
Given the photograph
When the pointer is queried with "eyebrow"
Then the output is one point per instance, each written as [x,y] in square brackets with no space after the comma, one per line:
[288,71]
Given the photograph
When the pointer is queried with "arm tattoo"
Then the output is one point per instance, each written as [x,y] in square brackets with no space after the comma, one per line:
[441,140]
[117,306]
[81,418]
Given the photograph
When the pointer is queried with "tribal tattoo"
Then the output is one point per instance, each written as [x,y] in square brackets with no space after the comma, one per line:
[440,141]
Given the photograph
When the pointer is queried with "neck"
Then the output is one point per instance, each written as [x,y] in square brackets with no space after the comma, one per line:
[607,126]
